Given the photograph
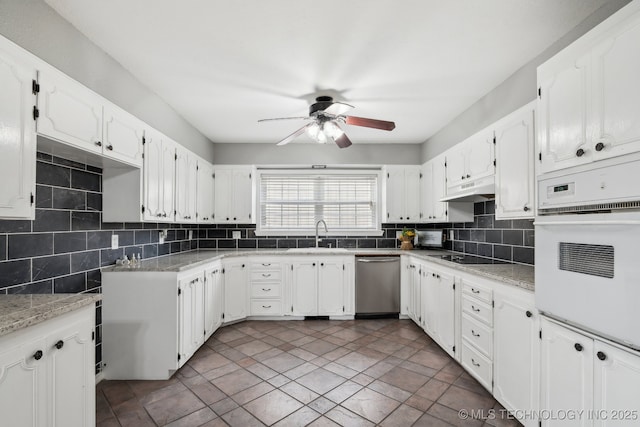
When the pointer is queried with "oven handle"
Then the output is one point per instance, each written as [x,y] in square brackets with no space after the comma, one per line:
[586,223]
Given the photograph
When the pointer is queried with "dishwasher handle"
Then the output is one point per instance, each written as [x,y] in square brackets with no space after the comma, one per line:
[367,260]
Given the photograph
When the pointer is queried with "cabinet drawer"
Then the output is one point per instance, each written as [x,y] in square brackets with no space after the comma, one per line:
[260,276]
[478,365]
[265,290]
[477,309]
[266,308]
[479,292]
[265,265]
[480,335]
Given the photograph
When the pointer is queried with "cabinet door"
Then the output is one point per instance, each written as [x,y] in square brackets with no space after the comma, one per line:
[412,194]
[616,386]
[23,385]
[69,112]
[168,179]
[222,195]
[191,315]
[445,311]
[563,111]
[456,165]
[480,155]
[18,160]
[304,288]
[186,177]
[152,184]
[205,193]
[439,189]
[395,194]
[616,90]
[567,373]
[426,193]
[516,346]
[122,136]
[210,312]
[330,288]
[72,361]
[235,290]
[241,195]
[514,169]
[429,295]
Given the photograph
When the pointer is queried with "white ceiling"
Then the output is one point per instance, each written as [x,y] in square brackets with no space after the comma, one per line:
[224,64]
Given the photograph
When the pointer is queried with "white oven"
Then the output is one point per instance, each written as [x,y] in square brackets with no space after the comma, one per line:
[588,272]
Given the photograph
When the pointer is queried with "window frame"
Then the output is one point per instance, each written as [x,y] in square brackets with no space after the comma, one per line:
[377,231]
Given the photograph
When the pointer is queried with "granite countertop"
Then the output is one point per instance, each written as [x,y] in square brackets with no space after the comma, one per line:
[21,311]
[513,274]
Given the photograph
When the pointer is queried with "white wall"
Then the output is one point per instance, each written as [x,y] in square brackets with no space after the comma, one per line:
[519,89]
[33,25]
[305,153]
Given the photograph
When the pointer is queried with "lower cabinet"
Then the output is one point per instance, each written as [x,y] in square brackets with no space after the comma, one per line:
[235,271]
[583,373]
[265,287]
[48,372]
[321,286]
[191,305]
[213,298]
[438,307]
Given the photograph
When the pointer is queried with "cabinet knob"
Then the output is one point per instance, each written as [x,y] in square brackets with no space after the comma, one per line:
[242,265]
[468,176]
[227,218]
[528,313]
[234,218]
[401,218]
[526,208]
[322,264]
[59,344]
[99,143]
[600,146]
[578,346]
[110,147]
[437,276]
[462,177]
[38,355]
[314,264]
[580,152]
[601,355]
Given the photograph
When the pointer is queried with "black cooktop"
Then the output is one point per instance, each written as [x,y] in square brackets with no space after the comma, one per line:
[468,259]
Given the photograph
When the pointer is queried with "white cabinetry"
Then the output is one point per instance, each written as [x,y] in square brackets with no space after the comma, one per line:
[235,289]
[213,298]
[265,287]
[233,194]
[516,351]
[403,193]
[122,136]
[438,306]
[205,193]
[48,376]
[413,302]
[186,170]
[159,178]
[17,127]
[587,374]
[191,314]
[433,188]
[586,93]
[322,286]
[515,164]
[470,161]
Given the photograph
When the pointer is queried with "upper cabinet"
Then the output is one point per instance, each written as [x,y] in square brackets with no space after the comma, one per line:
[17,127]
[433,188]
[233,202]
[204,198]
[515,164]
[159,178]
[587,95]
[470,160]
[186,186]
[122,136]
[403,193]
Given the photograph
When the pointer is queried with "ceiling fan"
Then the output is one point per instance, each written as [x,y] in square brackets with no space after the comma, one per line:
[325,116]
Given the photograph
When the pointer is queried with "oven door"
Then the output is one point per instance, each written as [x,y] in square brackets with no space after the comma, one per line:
[587,273]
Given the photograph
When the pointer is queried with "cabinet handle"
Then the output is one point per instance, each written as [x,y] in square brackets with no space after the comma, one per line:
[600,146]
[578,346]
[110,147]
[59,344]
[580,152]
[528,313]
[468,176]
[266,274]
[475,291]
[99,143]
[601,355]
[266,306]
[266,289]
[477,310]
[476,364]
[266,265]
[474,333]
[38,355]
[526,208]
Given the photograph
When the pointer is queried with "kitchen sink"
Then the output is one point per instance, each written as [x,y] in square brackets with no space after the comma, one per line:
[315,250]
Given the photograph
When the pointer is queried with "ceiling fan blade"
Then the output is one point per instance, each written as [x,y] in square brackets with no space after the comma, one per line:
[294,135]
[338,108]
[369,123]
[343,141]
[284,118]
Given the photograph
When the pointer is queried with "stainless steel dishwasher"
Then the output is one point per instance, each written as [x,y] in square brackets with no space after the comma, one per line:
[377,286]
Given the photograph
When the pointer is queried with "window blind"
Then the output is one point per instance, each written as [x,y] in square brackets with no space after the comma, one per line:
[295,201]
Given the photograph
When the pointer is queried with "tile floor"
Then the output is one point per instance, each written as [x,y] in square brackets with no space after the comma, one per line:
[314,372]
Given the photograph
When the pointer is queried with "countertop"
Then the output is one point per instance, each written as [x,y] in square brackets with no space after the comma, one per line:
[518,275]
[21,311]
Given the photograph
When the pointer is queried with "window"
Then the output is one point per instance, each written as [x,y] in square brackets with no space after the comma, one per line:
[290,202]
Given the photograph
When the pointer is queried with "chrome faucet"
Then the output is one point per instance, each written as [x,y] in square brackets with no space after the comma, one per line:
[325,230]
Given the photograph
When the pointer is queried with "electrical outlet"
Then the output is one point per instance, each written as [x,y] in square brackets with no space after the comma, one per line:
[398,234]
[161,236]
[451,235]
[115,241]
[190,234]
[236,234]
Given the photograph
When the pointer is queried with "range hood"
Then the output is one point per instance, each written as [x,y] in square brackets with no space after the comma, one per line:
[477,190]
